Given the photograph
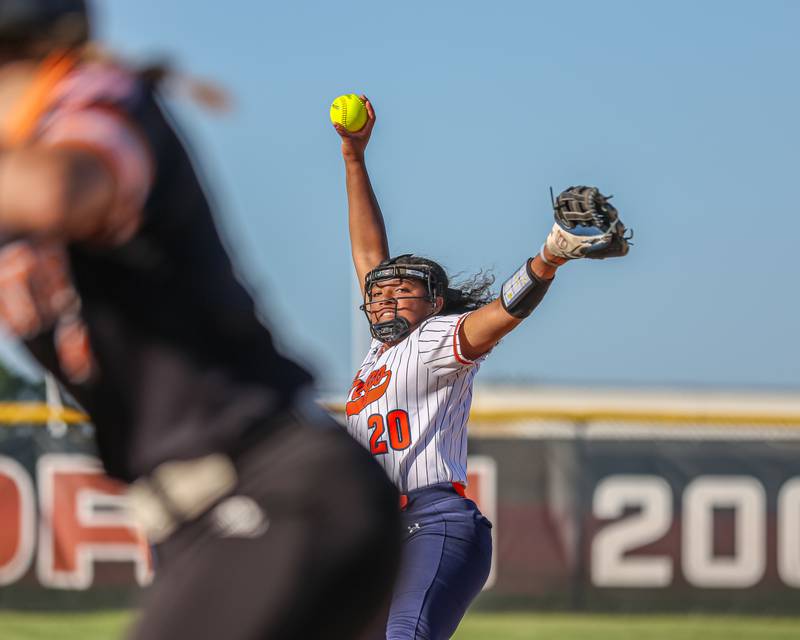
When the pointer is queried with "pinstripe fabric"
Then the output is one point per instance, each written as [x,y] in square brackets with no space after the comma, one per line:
[427,377]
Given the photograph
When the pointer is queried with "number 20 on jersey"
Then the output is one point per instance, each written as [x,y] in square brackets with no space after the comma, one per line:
[395,428]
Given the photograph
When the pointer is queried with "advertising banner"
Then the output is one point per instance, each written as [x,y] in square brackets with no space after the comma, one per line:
[66,538]
[678,524]
[584,518]
[602,522]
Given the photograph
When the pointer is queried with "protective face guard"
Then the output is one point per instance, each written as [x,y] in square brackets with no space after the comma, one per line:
[397,327]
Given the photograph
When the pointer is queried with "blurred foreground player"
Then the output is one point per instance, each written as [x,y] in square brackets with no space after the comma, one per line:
[268,518]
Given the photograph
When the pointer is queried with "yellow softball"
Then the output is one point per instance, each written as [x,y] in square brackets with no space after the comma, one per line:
[349,111]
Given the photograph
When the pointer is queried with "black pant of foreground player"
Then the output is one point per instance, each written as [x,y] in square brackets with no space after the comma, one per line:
[279,557]
[268,519]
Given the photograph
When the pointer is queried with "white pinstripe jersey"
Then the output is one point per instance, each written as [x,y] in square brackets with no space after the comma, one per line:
[409,405]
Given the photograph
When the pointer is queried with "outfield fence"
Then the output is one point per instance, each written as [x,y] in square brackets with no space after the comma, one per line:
[644,510]
[592,510]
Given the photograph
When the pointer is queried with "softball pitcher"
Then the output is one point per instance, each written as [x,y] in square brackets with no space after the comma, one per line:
[410,400]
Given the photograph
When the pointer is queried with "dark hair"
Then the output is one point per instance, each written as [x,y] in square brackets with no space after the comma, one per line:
[469,294]
[34,28]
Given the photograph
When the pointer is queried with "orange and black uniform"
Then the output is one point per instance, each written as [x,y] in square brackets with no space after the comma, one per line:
[183,365]
[149,328]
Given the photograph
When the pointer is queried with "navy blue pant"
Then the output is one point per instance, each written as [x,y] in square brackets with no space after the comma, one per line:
[447,553]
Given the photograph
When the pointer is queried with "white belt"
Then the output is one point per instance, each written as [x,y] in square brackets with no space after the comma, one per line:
[179,491]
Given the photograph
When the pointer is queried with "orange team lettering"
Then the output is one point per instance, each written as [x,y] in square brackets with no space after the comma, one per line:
[364,392]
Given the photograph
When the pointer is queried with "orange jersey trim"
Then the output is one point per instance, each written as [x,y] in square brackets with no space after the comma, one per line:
[457,343]
[23,119]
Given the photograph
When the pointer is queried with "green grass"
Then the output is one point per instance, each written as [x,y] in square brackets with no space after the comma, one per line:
[477,626]
[519,626]
[63,626]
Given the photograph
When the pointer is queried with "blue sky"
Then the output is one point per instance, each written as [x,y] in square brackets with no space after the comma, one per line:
[686,111]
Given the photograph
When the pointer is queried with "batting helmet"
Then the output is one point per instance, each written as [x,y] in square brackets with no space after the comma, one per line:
[64,23]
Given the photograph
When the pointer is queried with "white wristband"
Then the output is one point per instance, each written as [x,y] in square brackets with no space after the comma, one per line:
[545,260]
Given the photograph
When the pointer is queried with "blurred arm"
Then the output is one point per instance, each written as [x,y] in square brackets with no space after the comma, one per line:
[61,192]
[86,177]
